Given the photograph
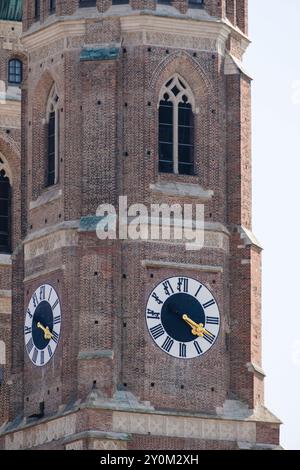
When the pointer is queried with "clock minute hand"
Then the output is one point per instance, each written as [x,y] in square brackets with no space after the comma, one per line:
[47,332]
[197,328]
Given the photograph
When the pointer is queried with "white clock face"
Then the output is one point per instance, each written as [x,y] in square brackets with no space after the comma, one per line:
[42,325]
[183,317]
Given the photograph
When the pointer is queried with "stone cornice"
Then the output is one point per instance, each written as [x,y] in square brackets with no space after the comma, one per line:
[62,28]
[147,23]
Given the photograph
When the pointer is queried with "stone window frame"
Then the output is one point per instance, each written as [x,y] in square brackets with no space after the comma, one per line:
[184,90]
[53,108]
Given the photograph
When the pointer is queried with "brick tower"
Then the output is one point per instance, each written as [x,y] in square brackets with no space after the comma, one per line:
[147,100]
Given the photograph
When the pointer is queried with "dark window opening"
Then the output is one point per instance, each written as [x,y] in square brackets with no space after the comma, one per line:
[5,213]
[15,71]
[51,149]
[196,3]
[185,138]
[52,6]
[87,3]
[37,9]
[166,135]
[119,2]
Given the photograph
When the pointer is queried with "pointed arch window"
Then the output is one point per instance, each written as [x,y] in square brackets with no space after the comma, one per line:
[5,212]
[52,137]
[176,128]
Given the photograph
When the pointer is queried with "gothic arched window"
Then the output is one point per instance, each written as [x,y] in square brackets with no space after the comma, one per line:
[52,137]
[176,128]
[5,212]
[15,71]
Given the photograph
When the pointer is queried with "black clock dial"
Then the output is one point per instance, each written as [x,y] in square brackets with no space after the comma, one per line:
[42,325]
[43,315]
[183,317]
[171,316]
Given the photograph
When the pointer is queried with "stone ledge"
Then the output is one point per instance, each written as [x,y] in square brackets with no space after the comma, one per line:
[104,353]
[116,436]
[5,260]
[66,225]
[44,272]
[146,263]
[249,238]
[255,369]
[47,196]
[131,416]
[183,190]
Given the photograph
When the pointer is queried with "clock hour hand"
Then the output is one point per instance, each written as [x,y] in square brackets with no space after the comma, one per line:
[47,332]
[197,328]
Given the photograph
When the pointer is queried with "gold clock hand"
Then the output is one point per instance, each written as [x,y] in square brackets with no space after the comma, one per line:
[197,328]
[47,332]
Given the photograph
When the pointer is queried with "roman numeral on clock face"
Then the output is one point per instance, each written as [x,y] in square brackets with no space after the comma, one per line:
[42,358]
[49,350]
[157,331]
[27,330]
[183,284]
[198,290]
[55,336]
[168,288]
[212,320]
[50,292]
[209,337]
[168,343]
[56,319]
[35,355]
[29,313]
[157,299]
[55,304]
[29,345]
[209,303]
[182,350]
[42,292]
[35,300]
[152,314]
[197,346]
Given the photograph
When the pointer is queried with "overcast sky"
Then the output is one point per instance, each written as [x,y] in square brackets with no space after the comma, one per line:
[273,60]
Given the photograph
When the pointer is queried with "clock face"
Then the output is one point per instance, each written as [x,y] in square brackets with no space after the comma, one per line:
[183,317]
[42,325]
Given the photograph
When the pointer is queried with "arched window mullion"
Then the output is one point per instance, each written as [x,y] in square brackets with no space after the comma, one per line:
[175,138]
[56,145]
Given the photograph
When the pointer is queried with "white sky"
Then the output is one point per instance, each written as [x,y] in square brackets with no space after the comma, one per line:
[273,60]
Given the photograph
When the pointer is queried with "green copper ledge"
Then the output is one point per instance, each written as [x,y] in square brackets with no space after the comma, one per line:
[11,10]
[89,223]
[99,53]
